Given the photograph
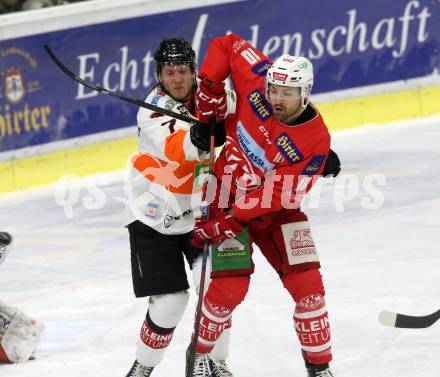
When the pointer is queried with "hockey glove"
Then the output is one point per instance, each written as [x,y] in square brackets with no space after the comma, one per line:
[210,99]
[216,230]
[200,136]
[332,166]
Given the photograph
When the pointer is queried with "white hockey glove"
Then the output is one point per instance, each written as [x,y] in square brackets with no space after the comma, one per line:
[19,335]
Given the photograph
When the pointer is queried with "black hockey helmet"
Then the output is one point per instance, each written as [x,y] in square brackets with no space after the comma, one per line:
[174,51]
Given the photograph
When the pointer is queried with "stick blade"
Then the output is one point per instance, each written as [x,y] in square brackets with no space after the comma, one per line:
[388,318]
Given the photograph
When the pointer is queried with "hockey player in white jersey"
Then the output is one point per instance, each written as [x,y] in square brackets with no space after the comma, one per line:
[164,191]
[19,334]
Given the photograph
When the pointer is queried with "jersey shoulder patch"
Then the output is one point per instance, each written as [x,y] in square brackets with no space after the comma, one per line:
[261,68]
[314,165]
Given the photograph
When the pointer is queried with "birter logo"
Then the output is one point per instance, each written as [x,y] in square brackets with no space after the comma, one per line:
[288,148]
[259,105]
[13,84]
[24,112]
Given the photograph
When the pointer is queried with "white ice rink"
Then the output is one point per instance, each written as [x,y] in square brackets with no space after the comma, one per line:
[73,274]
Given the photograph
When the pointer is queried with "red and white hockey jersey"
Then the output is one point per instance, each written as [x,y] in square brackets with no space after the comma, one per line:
[263,160]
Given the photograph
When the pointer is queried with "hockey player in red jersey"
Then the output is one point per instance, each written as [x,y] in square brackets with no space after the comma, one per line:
[276,147]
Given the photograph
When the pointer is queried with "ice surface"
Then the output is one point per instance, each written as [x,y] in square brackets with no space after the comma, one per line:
[73,274]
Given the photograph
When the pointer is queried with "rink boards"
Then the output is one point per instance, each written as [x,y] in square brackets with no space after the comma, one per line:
[369,69]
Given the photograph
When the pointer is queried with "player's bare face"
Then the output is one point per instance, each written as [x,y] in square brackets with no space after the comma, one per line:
[285,101]
[178,81]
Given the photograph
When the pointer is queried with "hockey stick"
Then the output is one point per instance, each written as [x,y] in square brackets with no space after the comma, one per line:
[404,321]
[193,347]
[119,95]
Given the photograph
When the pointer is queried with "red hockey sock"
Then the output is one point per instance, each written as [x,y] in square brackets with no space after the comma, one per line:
[222,297]
[215,318]
[310,317]
[313,330]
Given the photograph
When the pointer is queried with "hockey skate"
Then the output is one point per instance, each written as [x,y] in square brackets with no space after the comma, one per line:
[318,370]
[222,369]
[138,370]
[204,366]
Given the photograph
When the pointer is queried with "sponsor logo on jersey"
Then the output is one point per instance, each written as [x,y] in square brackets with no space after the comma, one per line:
[259,105]
[155,100]
[151,210]
[279,76]
[288,148]
[253,151]
[170,103]
[261,68]
[314,165]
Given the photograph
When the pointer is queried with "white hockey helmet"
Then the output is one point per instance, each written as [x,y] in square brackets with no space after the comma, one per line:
[293,71]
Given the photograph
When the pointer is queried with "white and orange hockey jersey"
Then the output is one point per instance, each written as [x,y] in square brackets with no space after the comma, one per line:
[166,175]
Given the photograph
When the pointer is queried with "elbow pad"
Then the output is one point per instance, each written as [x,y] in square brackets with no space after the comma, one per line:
[332,166]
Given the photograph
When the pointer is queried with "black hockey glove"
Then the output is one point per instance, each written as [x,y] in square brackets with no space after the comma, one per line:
[199,134]
[332,165]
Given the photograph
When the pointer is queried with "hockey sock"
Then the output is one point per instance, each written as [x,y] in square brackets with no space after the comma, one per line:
[164,313]
[221,348]
[310,317]
[215,318]
[222,297]
[313,329]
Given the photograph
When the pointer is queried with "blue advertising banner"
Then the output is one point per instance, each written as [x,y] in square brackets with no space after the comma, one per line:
[351,44]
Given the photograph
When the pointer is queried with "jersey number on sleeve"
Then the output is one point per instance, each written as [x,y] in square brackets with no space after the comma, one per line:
[250,56]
